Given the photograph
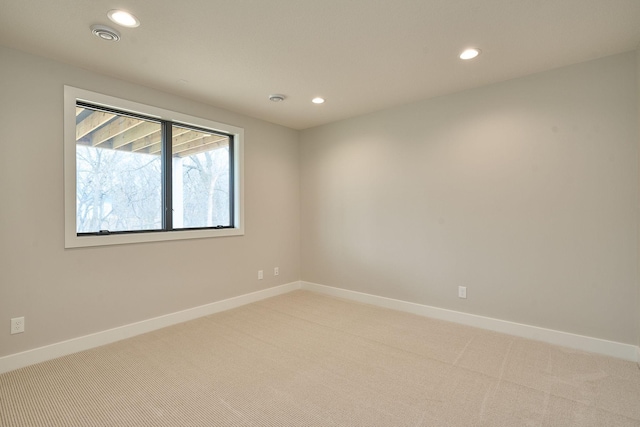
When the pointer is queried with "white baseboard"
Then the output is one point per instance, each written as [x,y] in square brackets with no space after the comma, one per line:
[41,354]
[565,339]
[52,351]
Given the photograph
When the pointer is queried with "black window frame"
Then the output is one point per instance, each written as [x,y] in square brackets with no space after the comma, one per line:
[167,172]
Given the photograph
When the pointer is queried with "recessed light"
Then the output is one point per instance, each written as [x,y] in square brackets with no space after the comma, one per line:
[123,18]
[105,33]
[470,53]
[318,100]
[276,97]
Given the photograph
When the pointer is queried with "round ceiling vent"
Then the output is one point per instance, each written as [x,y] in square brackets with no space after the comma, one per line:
[105,33]
[276,97]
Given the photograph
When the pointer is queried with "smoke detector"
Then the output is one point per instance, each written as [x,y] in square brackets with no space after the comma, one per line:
[276,97]
[105,33]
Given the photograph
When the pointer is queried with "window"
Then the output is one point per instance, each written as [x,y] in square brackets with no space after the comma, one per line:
[136,173]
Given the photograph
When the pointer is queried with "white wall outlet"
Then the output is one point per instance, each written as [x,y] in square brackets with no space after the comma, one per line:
[260,275]
[462,291]
[276,271]
[17,325]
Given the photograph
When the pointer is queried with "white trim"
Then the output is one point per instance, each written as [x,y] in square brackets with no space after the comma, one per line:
[72,240]
[74,345]
[565,339]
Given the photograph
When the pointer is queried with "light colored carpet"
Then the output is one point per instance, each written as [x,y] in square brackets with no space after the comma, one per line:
[304,359]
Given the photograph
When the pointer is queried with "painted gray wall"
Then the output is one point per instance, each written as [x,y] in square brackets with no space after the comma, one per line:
[69,293]
[525,191]
[638,107]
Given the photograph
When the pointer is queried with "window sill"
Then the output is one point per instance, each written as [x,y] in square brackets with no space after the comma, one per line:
[74,241]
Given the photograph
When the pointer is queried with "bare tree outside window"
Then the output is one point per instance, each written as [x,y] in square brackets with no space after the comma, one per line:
[119,174]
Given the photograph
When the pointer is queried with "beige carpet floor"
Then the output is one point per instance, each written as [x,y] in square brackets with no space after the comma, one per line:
[304,359]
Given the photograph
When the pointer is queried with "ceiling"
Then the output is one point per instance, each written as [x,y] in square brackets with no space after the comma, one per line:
[361,55]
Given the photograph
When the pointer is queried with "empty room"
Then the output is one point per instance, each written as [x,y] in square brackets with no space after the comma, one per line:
[320,213]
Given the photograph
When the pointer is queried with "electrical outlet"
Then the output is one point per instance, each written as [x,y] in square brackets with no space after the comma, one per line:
[462,291]
[276,271]
[260,275]
[17,325]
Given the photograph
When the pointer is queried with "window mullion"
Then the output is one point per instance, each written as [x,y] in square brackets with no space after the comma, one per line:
[167,177]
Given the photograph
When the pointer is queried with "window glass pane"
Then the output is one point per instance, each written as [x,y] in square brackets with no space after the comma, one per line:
[118,172]
[201,178]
